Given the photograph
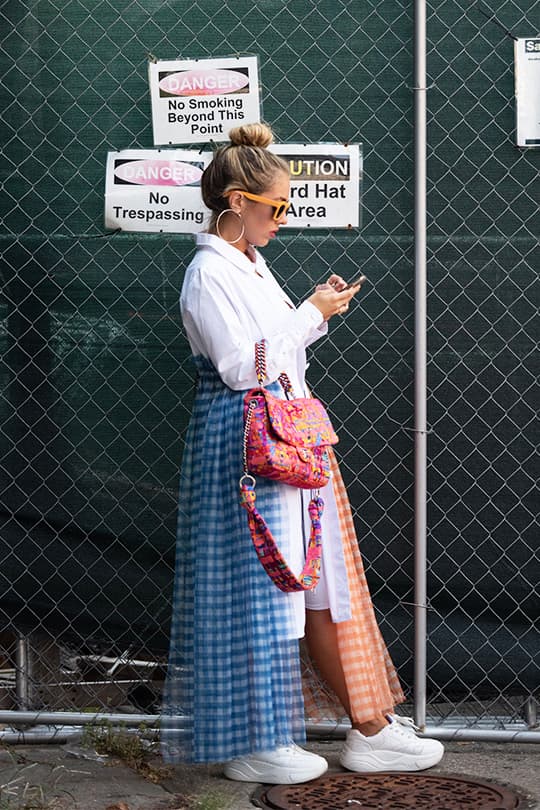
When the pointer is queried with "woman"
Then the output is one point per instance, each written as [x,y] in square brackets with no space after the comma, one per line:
[233,692]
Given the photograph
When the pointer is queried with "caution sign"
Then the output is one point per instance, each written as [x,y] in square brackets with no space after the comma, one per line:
[527,89]
[325,184]
[155,190]
[198,101]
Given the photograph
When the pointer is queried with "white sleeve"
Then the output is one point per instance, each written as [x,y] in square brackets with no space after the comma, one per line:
[318,332]
[217,324]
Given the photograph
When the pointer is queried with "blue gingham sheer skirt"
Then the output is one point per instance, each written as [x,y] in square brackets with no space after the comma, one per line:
[233,685]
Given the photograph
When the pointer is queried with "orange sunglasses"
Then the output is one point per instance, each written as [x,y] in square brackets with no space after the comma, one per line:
[280,207]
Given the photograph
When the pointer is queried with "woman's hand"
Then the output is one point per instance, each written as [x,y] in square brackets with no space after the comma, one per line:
[329,301]
[335,282]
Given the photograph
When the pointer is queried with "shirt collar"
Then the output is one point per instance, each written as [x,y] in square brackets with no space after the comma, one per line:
[226,250]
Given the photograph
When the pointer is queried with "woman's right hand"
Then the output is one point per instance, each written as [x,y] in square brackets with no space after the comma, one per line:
[330,302]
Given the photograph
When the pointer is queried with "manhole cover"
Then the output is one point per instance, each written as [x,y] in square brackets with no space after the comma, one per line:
[388,791]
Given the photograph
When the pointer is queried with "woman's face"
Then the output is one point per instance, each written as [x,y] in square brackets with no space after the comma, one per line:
[260,226]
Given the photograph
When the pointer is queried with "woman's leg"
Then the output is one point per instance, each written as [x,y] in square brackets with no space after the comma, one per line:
[377,745]
[321,639]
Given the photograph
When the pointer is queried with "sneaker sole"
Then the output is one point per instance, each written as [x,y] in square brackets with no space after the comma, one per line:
[267,774]
[372,763]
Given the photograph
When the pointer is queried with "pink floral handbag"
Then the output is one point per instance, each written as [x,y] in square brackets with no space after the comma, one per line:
[286,440]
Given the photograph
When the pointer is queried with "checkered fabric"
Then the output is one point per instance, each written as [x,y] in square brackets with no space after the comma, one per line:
[233,685]
[372,683]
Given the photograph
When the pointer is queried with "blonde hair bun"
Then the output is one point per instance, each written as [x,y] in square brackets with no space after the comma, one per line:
[245,164]
[252,135]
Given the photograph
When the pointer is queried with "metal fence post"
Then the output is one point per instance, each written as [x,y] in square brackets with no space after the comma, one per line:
[420,361]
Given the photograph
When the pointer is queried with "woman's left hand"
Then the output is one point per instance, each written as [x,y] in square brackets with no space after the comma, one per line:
[335,282]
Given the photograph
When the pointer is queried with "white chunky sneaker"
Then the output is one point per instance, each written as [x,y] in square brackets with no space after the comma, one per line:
[288,765]
[395,748]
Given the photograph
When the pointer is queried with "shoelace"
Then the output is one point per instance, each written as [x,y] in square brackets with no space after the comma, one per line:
[408,722]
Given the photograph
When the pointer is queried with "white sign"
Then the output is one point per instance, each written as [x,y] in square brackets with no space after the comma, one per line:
[155,190]
[325,184]
[200,100]
[527,83]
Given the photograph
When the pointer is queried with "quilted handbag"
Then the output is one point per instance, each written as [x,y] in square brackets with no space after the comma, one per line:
[285,439]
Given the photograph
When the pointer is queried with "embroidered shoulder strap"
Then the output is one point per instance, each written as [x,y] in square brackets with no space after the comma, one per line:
[260,369]
[266,547]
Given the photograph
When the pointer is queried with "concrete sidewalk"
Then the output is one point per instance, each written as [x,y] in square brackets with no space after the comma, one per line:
[72,777]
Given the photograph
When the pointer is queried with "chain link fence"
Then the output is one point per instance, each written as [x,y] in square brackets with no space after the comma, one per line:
[95,377]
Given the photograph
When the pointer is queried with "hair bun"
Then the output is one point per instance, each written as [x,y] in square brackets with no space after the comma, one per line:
[252,135]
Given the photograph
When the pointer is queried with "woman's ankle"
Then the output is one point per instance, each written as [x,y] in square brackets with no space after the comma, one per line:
[371,727]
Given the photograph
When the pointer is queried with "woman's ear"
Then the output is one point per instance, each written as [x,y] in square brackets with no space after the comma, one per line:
[236,201]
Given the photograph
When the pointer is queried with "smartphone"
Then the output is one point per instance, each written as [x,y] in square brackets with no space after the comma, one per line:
[357,281]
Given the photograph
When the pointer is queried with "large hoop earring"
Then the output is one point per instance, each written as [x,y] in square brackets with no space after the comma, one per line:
[230,241]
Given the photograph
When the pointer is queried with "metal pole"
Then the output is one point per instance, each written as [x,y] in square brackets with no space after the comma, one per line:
[420,376]
[513,734]
[54,726]
[531,713]
[22,672]
[80,718]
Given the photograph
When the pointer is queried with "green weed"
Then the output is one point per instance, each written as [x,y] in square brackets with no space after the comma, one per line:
[131,748]
[211,801]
